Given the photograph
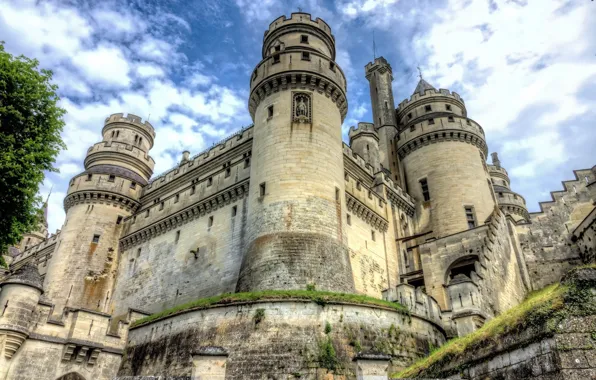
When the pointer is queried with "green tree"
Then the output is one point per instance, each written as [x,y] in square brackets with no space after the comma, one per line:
[30,126]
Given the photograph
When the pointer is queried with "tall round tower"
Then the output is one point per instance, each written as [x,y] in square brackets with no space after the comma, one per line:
[83,266]
[444,158]
[510,202]
[297,101]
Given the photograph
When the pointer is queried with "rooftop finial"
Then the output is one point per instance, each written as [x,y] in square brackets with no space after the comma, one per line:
[374,47]
[419,72]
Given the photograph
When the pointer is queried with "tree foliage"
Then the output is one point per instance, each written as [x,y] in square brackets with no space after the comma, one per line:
[30,126]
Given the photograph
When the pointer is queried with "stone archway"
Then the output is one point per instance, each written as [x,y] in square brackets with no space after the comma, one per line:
[71,376]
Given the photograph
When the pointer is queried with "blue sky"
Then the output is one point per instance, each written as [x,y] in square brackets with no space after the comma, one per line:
[526,69]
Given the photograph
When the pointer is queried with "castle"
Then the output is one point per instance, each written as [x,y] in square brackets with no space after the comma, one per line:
[409,212]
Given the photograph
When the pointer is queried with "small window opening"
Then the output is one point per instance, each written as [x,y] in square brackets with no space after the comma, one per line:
[119,219]
[134,219]
[89,176]
[470,217]
[147,214]
[305,56]
[133,185]
[193,189]
[262,189]
[209,181]
[372,235]
[450,119]
[332,66]
[117,133]
[369,194]
[246,162]
[140,140]
[431,121]
[136,139]
[468,122]
[177,237]
[113,132]
[412,128]
[358,185]
[228,172]
[425,192]
[448,107]
[234,210]
[270,112]
[500,195]
[111,178]
[427,108]
[304,39]
[349,219]
[276,59]
[278,48]
[210,223]
[386,105]
[410,116]
[337,194]
[176,198]
[161,206]
[95,239]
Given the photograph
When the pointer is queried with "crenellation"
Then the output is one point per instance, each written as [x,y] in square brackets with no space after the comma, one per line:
[233,246]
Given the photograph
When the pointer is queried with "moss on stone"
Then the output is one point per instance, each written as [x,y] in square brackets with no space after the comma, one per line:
[319,297]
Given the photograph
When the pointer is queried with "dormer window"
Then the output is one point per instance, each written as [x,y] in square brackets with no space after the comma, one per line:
[304,39]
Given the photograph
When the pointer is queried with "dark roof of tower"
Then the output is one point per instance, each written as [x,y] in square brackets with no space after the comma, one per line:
[423,86]
[27,275]
[116,170]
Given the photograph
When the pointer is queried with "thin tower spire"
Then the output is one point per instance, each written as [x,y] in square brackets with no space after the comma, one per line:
[419,72]
[374,46]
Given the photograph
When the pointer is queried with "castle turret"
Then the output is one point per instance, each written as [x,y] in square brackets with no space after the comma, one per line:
[380,77]
[296,220]
[19,294]
[443,153]
[364,141]
[39,234]
[510,202]
[83,266]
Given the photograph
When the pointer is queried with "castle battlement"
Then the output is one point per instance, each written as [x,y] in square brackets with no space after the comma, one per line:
[24,255]
[429,94]
[202,158]
[355,157]
[363,128]
[129,119]
[299,18]
[120,147]
[417,301]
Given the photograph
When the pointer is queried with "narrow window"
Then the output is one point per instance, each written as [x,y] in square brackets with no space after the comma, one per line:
[468,122]
[138,253]
[176,198]
[161,205]
[349,219]
[386,105]
[228,172]
[367,148]
[270,112]
[358,185]
[209,181]
[332,66]
[262,189]
[276,59]
[425,192]
[234,211]
[336,194]
[113,134]
[136,139]
[111,178]
[133,185]
[193,189]
[410,116]
[119,219]
[304,39]
[147,213]
[278,48]
[89,176]
[470,216]
[450,119]
[369,194]
[117,134]
[346,176]
[134,219]
[431,121]
[72,182]
[412,128]
[500,195]
[427,108]
[177,237]
[305,56]
[210,223]
[372,235]
[140,140]
[246,162]
[95,239]
[448,107]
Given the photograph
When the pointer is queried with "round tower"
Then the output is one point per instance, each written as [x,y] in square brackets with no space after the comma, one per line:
[510,202]
[297,101]
[116,169]
[19,295]
[443,153]
[364,141]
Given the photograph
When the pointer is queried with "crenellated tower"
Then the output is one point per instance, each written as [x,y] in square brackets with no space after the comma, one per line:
[510,202]
[364,141]
[83,266]
[443,153]
[380,77]
[298,102]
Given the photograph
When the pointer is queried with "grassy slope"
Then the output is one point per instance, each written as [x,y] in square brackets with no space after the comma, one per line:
[315,296]
[536,307]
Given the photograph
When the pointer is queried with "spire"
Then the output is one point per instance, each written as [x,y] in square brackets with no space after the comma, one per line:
[44,208]
[423,86]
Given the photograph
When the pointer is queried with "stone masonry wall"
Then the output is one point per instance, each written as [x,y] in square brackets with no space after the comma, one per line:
[286,341]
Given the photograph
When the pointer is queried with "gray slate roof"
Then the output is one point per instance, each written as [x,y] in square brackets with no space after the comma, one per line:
[423,86]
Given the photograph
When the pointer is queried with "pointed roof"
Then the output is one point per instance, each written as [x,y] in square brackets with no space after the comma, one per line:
[26,275]
[423,86]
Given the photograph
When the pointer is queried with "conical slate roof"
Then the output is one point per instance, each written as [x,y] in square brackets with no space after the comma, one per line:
[423,86]
[27,275]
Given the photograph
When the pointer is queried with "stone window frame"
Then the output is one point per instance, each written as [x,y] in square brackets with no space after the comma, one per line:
[425,189]
[470,212]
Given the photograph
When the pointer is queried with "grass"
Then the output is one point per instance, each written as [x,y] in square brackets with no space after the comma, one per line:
[319,297]
[535,310]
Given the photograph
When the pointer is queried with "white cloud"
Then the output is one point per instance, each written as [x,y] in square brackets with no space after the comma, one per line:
[147,70]
[105,65]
